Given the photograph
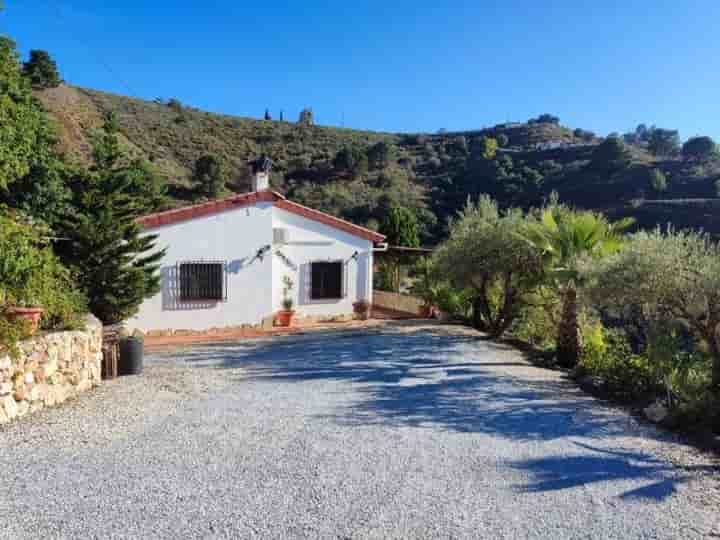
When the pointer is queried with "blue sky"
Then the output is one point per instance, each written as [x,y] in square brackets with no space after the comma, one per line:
[396,65]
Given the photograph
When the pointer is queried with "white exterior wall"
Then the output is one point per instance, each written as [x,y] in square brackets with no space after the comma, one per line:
[311,241]
[254,286]
[233,236]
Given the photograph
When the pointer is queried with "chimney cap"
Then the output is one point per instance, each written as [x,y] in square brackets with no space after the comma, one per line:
[261,164]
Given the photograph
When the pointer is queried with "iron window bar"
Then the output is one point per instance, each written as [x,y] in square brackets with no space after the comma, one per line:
[202,280]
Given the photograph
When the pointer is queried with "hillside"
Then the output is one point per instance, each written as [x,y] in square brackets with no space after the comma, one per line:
[346,171]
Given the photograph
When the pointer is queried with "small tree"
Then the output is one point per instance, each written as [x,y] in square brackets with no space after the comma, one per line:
[116,264]
[563,237]
[380,155]
[502,140]
[26,135]
[486,254]
[699,149]
[306,118]
[488,148]
[268,116]
[42,70]
[673,275]
[401,229]
[610,155]
[664,142]
[657,180]
[209,176]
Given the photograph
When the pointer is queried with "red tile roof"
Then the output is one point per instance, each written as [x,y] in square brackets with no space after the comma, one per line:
[186,213]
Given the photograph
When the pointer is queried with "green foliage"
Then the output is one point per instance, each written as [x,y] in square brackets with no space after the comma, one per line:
[11,333]
[381,155]
[26,135]
[699,149]
[627,375]
[209,176]
[31,275]
[401,227]
[675,276]
[664,142]
[488,148]
[657,180]
[610,156]
[545,119]
[115,263]
[563,237]
[485,254]
[42,70]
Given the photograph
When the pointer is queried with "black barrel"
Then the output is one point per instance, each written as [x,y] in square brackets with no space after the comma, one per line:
[131,356]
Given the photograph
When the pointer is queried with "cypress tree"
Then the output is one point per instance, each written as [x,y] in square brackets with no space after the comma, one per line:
[116,263]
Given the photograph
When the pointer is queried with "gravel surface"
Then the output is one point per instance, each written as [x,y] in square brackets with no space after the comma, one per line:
[404,431]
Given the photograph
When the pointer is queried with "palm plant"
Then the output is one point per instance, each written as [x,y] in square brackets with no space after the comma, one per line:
[563,237]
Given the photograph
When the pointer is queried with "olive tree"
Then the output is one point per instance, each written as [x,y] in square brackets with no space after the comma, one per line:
[486,254]
[673,275]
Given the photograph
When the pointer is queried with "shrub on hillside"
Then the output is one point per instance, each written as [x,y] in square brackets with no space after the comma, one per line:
[42,70]
[657,180]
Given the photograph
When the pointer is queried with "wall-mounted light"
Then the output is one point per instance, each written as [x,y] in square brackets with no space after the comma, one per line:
[354,256]
[262,251]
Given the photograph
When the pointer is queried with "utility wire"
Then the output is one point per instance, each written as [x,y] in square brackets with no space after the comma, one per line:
[90,49]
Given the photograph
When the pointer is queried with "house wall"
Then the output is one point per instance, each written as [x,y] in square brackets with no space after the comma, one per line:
[234,236]
[312,241]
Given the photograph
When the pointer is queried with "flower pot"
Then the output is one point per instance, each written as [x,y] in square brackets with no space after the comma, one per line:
[284,317]
[362,310]
[427,311]
[30,314]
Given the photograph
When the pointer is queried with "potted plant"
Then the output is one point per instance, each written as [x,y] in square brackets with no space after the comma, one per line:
[23,261]
[362,309]
[28,309]
[285,315]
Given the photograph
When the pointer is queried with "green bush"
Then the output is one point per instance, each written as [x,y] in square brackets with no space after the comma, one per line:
[11,332]
[607,354]
[31,275]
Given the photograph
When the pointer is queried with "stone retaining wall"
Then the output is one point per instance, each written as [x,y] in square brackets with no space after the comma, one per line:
[51,368]
[401,303]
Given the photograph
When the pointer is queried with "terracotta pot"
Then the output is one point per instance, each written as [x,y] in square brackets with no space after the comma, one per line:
[30,314]
[284,317]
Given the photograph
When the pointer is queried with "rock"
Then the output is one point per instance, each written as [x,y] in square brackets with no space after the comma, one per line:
[23,408]
[591,383]
[6,388]
[657,412]
[5,363]
[9,405]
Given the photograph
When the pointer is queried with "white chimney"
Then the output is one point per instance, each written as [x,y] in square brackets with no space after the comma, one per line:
[261,181]
[260,169]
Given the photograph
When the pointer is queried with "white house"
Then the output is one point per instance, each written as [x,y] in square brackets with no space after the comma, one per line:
[226,261]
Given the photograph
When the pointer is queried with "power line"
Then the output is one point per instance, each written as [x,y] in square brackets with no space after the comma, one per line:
[56,6]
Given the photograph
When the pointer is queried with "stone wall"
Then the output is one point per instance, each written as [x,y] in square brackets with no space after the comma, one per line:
[400,303]
[51,368]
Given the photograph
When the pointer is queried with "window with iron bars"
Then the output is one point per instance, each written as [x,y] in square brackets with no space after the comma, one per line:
[202,281]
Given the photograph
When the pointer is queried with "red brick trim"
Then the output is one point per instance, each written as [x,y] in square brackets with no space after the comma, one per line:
[206,209]
[327,219]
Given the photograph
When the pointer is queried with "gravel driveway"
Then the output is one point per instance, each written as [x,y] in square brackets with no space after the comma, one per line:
[404,431]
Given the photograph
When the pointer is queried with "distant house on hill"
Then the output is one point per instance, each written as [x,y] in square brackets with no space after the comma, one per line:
[228,261]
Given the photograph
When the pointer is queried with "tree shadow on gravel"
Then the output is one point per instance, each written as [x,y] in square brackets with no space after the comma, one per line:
[595,465]
[422,379]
